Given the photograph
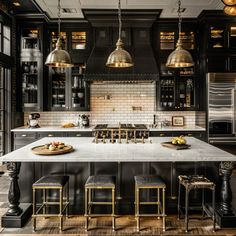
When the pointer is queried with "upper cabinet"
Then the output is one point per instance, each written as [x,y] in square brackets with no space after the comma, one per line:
[176,88]
[31,68]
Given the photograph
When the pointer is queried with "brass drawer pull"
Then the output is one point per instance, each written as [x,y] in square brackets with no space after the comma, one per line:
[23,135]
[78,135]
[50,135]
[162,135]
[190,135]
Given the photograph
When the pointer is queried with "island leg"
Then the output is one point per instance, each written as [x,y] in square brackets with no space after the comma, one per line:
[14,190]
[15,217]
[225,214]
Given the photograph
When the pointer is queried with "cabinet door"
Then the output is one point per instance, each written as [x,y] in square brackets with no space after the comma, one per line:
[57,90]
[217,37]
[78,90]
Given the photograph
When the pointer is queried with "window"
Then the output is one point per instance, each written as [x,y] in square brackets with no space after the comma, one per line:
[5,75]
[6,40]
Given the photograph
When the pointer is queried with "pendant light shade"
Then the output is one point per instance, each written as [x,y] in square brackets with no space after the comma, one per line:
[59,57]
[230,7]
[119,58]
[180,57]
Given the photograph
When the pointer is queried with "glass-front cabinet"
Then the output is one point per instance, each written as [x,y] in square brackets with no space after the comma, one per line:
[68,90]
[31,64]
[176,90]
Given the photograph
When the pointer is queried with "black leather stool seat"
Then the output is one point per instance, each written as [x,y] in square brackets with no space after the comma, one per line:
[101,180]
[52,181]
[149,181]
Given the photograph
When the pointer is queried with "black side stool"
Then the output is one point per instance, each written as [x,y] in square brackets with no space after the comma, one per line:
[195,182]
[60,183]
[99,182]
[150,182]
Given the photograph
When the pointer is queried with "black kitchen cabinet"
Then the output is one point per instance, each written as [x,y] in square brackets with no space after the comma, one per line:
[196,134]
[20,139]
[31,64]
[68,90]
[176,90]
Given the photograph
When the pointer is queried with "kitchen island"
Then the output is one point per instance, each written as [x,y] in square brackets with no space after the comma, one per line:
[123,160]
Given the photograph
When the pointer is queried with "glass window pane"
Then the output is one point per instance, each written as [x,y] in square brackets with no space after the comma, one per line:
[78,40]
[6,40]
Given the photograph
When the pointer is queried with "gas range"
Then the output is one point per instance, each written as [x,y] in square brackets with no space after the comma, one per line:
[116,133]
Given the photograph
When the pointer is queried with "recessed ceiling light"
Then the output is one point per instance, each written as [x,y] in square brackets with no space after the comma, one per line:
[16,4]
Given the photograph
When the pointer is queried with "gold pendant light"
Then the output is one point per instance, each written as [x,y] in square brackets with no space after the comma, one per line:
[119,58]
[180,57]
[59,57]
[230,7]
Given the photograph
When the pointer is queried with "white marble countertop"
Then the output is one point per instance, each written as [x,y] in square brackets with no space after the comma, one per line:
[52,129]
[87,151]
[77,129]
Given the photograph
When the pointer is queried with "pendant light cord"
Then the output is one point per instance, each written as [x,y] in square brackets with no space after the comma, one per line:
[59,18]
[179,15]
[119,18]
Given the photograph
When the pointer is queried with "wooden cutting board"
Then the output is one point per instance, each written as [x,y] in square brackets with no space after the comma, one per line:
[175,146]
[41,150]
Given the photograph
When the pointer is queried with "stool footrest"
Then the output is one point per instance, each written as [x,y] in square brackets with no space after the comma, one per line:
[97,215]
[140,215]
[100,203]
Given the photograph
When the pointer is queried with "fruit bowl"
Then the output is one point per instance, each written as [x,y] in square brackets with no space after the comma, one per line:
[179,140]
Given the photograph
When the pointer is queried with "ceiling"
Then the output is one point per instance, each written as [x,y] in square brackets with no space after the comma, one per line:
[73,8]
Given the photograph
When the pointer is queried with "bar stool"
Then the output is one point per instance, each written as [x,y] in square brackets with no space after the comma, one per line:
[60,183]
[99,182]
[195,182]
[150,182]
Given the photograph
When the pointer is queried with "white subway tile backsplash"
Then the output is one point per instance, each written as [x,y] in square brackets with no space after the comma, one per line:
[119,108]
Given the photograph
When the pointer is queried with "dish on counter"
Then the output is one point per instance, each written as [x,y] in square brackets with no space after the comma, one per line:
[177,143]
[68,125]
[52,148]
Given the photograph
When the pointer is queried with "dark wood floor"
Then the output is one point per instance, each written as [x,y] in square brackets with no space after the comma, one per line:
[125,226]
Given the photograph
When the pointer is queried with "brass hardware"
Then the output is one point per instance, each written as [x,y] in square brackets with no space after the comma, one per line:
[161,135]
[23,135]
[78,135]
[63,203]
[190,135]
[160,205]
[50,135]
[89,203]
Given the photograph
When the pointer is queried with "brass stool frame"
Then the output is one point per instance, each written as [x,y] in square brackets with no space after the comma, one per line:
[89,203]
[188,187]
[63,201]
[160,207]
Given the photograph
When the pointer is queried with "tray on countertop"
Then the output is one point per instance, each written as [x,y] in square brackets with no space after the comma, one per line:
[175,146]
[41,150]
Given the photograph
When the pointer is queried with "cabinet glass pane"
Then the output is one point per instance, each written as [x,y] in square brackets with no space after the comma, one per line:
[78,40]
[167,40]
[186,92]
[167,92]
[30,39]
[30,84]
[187,39]
[217,37]
[232,37]
[78,87]
[58,87]
[6,40]
[54,37]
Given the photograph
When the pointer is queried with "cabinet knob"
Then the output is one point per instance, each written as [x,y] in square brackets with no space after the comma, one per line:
[23,135]
[161,135]
[190,135]
[50,135]
[78,135]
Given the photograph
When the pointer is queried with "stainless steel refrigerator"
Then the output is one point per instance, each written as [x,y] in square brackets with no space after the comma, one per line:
[221,112]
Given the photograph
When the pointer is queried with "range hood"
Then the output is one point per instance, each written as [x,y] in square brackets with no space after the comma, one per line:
[136,32]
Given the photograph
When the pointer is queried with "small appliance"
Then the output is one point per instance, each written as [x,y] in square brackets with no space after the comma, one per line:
[33,121]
